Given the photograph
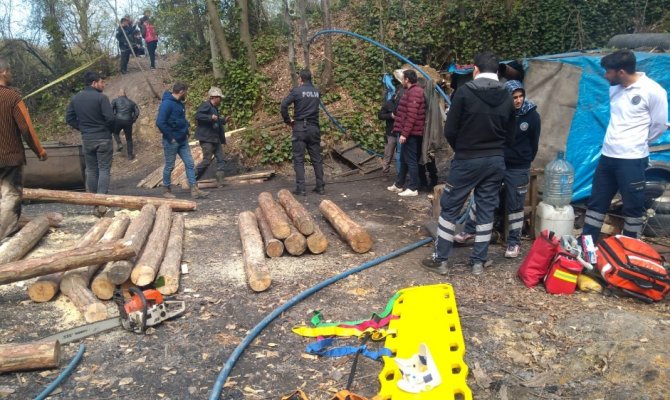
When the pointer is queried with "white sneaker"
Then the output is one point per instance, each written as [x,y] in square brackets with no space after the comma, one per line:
[393,188]
[409,193]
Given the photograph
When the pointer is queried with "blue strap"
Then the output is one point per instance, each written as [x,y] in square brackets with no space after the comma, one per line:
[321,348]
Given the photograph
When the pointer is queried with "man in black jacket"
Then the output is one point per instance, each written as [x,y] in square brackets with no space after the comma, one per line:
[124,35]
[210,133]
[480,122]
[126,112]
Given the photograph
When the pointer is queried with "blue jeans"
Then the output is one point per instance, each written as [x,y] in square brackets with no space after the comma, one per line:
[171,150]
[485,176]
[98,155]
[409,163]
[612,175]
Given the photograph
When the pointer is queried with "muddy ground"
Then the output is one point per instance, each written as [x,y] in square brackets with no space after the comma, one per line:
[520,343]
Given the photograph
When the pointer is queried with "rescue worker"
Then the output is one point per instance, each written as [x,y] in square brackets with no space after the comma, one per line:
[211,135]
[306,131]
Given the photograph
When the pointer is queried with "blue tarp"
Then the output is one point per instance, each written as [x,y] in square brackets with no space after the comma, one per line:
[591,117]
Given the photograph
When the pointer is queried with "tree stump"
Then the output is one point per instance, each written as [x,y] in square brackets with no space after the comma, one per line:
[22,242]
[274,216]
[358,238]
[149,261]
[170,269]
[28,356]
[273,247]
[253,254]
[317,242]
[296,212]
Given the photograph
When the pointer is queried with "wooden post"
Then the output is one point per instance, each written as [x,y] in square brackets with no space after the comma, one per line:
[297,212]
[358,238]
[54,218]
[148,263]
[257,272]
[295,243]
[170,269]
[65,260]
[109,200]
[75,283]
[28,356]
[22,242]
[273,247]
[317,242]
[274,216]
[46,287]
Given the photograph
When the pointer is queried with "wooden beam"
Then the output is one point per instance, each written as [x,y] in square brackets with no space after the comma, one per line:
[109,200]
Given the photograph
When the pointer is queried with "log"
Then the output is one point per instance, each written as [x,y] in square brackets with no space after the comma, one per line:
[296,212]
[273,247]
[252,175]
[101,286]
[279,224]
[118,272]
[24,240]
[54,218]
[149,261]
[212,184]
[74,284]
[170,269]
[358,238]
[28,356]
[46,287]
[65,260]
[317,242]
[258,275]
[109,200]
[295,243]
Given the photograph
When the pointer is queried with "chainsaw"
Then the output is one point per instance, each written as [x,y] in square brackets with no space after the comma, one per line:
[144,309]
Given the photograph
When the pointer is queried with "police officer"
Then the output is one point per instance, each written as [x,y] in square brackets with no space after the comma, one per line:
[306,133]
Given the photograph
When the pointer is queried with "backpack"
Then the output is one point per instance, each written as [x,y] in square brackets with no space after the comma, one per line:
[634,267]
[536,264]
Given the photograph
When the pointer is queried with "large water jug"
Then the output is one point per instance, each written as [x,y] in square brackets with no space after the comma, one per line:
[558,178]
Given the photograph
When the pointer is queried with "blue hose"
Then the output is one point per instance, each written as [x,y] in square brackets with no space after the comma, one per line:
[228,366]
[63,375]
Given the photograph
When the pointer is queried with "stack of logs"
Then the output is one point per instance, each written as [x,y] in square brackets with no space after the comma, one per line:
[286,225]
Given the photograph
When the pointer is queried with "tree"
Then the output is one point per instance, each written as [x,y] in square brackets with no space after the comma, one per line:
[302,10]
[245,36]
[216,60]
[291,45]
[327,74]
[219,34]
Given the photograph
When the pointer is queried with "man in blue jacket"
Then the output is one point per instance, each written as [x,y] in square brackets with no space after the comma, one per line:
[172,123]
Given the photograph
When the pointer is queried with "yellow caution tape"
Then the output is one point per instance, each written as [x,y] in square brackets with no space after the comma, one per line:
[64,77]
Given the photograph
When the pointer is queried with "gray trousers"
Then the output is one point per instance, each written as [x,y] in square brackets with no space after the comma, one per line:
[389,151]
[98,155]
[209,151]
[11,188]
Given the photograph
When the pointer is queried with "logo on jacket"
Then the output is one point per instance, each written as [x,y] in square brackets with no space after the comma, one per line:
[524,126]
[636,99]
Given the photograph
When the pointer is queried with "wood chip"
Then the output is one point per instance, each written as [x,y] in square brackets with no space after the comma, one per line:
[125,381]
[483,380]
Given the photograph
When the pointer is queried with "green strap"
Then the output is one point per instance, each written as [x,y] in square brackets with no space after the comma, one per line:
[317,317]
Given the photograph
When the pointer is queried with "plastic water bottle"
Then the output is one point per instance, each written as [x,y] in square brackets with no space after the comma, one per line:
[559,176]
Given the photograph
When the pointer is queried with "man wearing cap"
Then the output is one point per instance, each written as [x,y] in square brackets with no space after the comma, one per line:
[210,133]
[306,132]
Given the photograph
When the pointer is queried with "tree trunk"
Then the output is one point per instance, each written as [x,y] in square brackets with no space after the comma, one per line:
[65,260]
[274,216]
[295,243]
[292,70]
[54,218]
[27,356]
[170,269]
[102,286]
[245,36]
[317,242]
[109,200]
[296,212]
[46,287]
[149,261]
[257,272]
[327,74]
[22,242]
[219,34]
[75,283]
[273,247]
[358,238]
[304,30]
[216,60]
[197,23]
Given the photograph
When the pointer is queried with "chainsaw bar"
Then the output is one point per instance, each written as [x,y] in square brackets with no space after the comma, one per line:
[84,331]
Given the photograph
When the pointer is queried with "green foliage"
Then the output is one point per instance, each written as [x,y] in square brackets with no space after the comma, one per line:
[267,46]
[270,147]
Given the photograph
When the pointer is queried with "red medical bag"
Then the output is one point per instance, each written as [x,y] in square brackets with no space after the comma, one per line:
[563,273]
[534,267]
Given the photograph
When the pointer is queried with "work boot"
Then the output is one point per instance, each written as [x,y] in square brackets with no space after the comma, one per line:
[319,190]
[168,193]
[196,193]
[299,192]
[478,267]
[438,267]
[220,175]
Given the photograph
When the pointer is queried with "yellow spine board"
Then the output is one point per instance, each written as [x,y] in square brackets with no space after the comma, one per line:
[427,314]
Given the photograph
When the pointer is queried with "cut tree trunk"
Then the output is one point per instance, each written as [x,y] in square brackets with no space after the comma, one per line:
[65,260]
[273,247]
[101,285]
[46,287]
[317,242]
[295,243]
[116,272]
[54,218]
[279,224]
[214,184]
[170,269]
[296,212]
[109,200]
[28,356]
[358,238]
[24,240]
[148,263]
[74,284]
[257,272]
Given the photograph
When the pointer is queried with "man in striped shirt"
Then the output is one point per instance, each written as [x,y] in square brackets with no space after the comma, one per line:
[14,124]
